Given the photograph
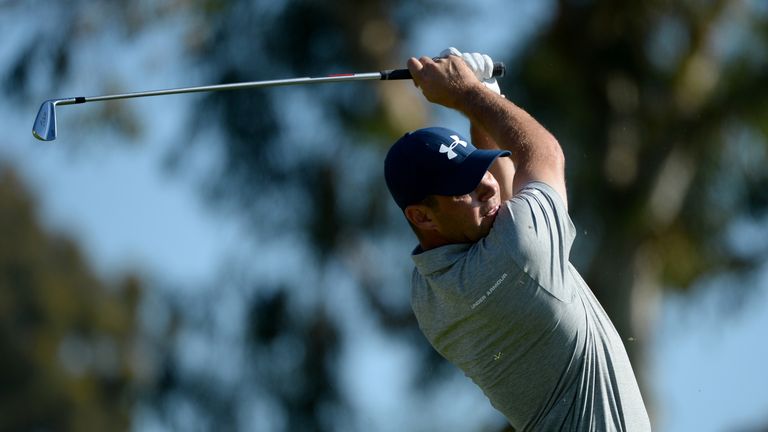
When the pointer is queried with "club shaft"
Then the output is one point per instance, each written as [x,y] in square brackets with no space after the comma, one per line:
[396,74]
[221,87]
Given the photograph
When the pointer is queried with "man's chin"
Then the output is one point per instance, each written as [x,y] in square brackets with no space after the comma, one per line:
[491,219]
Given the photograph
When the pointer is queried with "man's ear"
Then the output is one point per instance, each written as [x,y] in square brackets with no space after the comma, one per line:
[420,216]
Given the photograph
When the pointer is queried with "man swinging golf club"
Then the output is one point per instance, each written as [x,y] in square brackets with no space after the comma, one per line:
[493,290]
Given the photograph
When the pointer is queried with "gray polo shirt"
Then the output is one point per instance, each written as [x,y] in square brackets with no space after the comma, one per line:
[515,315]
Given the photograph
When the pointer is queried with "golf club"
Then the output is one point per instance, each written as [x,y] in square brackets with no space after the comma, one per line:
[45,123]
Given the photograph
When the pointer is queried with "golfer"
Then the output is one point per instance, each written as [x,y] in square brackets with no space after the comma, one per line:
[493,290]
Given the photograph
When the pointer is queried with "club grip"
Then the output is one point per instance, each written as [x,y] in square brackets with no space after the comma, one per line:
[401,74]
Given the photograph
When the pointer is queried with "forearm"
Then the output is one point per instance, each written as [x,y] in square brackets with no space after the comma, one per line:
[503,169]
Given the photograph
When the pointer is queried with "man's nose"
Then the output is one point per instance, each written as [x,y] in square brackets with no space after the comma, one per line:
[487,187]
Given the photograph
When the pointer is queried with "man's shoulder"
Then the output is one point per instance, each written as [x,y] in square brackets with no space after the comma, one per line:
[538,191]
[535,209]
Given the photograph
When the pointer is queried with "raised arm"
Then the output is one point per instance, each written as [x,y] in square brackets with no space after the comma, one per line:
[536,154]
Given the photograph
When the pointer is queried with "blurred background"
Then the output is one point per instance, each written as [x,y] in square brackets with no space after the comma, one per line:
[232,261]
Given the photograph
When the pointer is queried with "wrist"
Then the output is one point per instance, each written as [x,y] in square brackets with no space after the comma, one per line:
[473,97]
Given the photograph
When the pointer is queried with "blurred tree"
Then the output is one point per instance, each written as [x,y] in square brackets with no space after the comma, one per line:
[67,339]
[287,167]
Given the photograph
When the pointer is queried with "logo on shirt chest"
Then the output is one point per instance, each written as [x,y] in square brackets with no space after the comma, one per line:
[488,293]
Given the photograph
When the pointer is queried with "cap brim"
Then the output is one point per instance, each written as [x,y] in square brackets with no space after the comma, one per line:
[469,174]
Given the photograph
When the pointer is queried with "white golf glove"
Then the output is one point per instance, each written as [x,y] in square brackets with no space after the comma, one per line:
[480,64]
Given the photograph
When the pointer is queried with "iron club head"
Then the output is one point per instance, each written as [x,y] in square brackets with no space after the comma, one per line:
[45,122]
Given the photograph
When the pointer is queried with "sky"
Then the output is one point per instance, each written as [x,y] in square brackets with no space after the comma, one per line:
[114,195]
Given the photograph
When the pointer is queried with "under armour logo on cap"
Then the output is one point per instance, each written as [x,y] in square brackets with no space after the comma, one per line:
[449,149]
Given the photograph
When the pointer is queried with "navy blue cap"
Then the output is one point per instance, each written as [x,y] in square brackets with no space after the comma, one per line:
[434,161]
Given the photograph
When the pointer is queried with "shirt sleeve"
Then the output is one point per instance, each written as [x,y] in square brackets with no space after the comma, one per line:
[536,232]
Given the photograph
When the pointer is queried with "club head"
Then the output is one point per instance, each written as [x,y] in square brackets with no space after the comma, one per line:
[45,123]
